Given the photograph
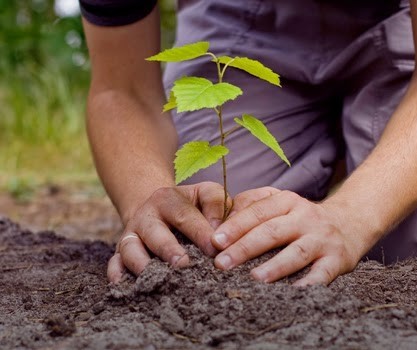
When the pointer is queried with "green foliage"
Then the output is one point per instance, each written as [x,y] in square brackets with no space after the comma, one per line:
[252,67]
[260,131]
[44,77]
[44,73]
[192,93]
[171,104]
[194,156]
[182,53]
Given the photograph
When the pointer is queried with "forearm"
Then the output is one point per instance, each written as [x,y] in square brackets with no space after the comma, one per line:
[383,190]
[133,143]
[133,148]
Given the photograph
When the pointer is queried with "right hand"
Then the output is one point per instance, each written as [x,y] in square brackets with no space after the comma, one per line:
[195,210]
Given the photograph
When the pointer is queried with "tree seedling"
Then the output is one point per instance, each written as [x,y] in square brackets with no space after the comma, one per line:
[193,93]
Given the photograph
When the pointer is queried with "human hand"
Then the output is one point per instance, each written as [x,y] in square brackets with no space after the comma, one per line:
[195,210]
[267,218]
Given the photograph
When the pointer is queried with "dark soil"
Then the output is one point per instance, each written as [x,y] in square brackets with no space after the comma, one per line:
[54,295]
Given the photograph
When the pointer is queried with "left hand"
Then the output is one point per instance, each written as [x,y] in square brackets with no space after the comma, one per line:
[266,218]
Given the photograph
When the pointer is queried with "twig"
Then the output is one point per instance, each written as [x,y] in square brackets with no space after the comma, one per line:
[379,307]
[13,268]
[65,291]
[270,328]
[184,337]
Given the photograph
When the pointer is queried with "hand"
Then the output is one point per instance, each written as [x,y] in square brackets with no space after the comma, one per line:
[195,210]
[266,218]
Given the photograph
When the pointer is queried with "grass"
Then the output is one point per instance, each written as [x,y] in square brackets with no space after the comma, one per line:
[42,136]
[42,100]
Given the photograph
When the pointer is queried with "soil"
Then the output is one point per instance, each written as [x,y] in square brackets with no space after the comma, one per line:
[54,295]
[76,212]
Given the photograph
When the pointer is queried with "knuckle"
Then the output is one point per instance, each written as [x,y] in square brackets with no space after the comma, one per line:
[209,185]
[164,251]
[301,251]
[327,273]
[182,216]
[161,194]
[270,230]
[290,196]
[243,249]
[305,208]
[270,190]
[257,212]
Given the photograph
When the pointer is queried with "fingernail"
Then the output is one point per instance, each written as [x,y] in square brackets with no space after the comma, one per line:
[214,223]
[224,262]
[220,238]
[175,259]
[179,261]
[260,274]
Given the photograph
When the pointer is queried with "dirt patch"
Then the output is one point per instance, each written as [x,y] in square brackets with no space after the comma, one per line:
[54,295]
[82,212]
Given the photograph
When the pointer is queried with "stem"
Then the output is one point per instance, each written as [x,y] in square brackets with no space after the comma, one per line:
[223,134]
[222,140]
[224,165]
[232,130]
[225,67]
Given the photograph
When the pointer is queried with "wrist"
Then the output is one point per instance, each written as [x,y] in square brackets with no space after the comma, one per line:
[356,222]
[131,207]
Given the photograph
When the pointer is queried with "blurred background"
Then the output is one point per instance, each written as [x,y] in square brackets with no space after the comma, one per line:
[44,78]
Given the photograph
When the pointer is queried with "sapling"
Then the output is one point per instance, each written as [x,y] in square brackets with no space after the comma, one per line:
[193,93]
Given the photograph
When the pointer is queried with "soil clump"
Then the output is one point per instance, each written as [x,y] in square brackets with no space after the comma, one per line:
[54,295]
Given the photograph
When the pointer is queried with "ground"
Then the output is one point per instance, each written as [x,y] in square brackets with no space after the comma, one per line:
[55,294]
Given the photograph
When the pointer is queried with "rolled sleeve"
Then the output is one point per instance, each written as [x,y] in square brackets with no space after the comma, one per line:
[115,12]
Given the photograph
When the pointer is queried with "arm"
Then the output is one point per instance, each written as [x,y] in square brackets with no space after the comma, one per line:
[133,145]
[125,125]
[335,234]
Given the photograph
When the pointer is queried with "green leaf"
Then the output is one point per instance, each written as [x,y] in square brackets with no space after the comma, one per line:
[171,104]
[260,131]
[253,67]
[182,53]
[194,156]
[193,93]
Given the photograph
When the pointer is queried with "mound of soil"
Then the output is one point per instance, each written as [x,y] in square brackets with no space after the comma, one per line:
[54,295]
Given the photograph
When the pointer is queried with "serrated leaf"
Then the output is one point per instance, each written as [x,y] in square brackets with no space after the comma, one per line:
[261,132]
[253,67]
[182,53]
[171,104]
[194,156]
[193,93]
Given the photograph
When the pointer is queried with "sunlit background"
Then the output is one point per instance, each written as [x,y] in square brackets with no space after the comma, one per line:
[44,74]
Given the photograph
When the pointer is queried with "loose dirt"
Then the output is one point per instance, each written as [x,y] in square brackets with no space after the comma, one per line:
[54,295]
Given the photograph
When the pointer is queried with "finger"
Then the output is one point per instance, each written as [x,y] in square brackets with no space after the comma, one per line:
[293,258]
[269,235]
[254,215]
[211,199]
[157,237]
[180,211]
[133,253]
[245,199]
[323,272]
[115,268]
